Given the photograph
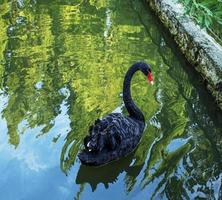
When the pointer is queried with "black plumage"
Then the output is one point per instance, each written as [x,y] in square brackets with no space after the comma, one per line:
[116,135]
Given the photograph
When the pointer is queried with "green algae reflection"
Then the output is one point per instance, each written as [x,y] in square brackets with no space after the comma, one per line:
[66,60]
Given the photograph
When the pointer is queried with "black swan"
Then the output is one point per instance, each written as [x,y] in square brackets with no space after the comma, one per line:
[116,135]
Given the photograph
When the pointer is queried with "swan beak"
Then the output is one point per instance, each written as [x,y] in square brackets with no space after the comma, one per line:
[150,78]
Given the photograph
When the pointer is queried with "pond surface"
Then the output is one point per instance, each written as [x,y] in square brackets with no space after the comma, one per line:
[62,66]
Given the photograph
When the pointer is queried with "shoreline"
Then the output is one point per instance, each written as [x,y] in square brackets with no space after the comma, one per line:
[198,47]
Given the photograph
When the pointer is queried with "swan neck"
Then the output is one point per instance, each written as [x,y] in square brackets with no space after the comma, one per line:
[131,107]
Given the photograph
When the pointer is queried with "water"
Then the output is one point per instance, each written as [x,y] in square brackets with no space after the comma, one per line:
[62,66]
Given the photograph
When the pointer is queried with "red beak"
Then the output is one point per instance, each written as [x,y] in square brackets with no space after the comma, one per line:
[150,78]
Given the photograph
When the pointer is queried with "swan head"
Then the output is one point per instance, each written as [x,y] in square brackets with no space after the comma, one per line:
[146,69]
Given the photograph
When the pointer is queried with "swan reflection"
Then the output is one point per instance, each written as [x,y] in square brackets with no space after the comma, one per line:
[107,174]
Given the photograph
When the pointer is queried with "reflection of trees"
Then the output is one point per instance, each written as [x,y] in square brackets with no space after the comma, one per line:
[174,122]
[166,167]
[53,47]
[202,166]
[23,71]
[68,45]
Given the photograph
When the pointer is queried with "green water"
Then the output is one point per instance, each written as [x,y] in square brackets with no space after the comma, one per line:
[62,65]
